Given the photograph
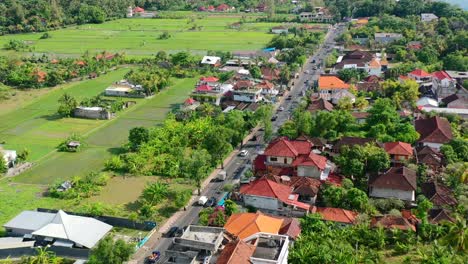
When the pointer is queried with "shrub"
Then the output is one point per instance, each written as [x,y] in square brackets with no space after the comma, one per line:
[16,45]
[46,35]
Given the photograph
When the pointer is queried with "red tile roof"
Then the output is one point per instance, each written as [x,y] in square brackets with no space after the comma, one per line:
[441,75]
[270,74]
[189,101]
[360,115]
[336,214]
[138,10]
[267,188]
[434,130]
[243,84]
[236,252]
[209,79]
[222,7]
[283,147]
[398,148]
[204,88]
[259,163]
[266,85]
[420,73]
[312,159]
[399,178]
[80,63]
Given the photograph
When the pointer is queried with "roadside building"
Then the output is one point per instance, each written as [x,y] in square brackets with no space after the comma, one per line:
[329,85]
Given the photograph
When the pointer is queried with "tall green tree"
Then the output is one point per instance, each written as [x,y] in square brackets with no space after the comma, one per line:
[109,250]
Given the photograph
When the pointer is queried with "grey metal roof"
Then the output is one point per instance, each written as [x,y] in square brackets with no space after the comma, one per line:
[29,220]
[85,231]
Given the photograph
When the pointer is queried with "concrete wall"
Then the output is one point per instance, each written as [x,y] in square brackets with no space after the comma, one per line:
[308,171]
[392,193]
[280,160]
[249,98]
[262,202]
[432,145]
[91,114]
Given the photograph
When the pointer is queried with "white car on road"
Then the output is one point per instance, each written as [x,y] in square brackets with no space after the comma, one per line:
[243,153]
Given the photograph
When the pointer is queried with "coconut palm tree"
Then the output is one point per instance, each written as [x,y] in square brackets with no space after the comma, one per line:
[457,235]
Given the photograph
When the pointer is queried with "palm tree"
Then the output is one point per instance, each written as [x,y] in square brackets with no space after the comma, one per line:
[155,193]
[457,235]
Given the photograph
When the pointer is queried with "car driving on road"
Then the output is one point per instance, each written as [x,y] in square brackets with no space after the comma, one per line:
[243,153]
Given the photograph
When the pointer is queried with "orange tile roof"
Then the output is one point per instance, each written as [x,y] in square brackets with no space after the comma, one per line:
[331,82]
[398,148]
[336,214]
[244,225]
[236,252]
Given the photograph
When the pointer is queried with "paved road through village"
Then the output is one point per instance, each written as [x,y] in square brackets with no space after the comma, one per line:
[215,188]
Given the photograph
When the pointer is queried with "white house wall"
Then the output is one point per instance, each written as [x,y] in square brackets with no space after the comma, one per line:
[261,202]
[392,193]
[308,171]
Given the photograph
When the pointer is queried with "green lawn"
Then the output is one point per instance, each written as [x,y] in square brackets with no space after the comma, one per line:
[110,136]
[18,197]
[139,37]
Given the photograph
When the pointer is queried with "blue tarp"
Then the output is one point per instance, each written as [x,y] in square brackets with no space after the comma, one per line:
[269,49]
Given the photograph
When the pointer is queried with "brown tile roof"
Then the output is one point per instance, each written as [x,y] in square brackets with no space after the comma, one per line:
[392,222]
[438,215]
[242,84]
[358,57]
[305,186]
[320,104]
[399,178]
[236,252]
[434,129]
[360,115]
[270,74]
[398,148]
[336,214]
[438,194]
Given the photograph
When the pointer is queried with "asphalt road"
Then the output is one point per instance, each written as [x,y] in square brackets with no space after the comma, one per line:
[215,189]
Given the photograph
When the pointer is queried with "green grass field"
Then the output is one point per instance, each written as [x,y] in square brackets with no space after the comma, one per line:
[139,37]
[36,126]
[101,142]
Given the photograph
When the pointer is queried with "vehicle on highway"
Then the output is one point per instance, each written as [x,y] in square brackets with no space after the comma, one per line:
[314,68]
[172,231]
[281,108]
[155,256]
[221,175]
[243,153]
[313,61]
[211,202]
[274,118]
[306,71]
[202,200]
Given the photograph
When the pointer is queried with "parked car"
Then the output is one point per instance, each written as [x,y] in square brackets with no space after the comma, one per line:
[243,153]
[155,256]
[202,200]
[172,231]
[211,202]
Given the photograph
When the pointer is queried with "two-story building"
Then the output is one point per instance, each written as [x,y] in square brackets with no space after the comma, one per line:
[443,84]
[298,156]
[271,197]
[329,85]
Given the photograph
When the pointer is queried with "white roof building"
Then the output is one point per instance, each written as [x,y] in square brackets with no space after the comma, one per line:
[426,101]
[81,231]
[211,60]
[428,17]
